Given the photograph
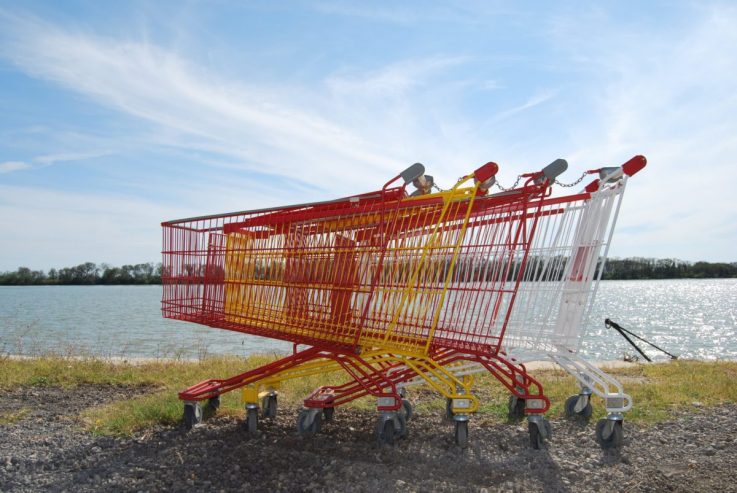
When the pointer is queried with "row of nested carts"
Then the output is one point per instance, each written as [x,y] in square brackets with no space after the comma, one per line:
[393,289]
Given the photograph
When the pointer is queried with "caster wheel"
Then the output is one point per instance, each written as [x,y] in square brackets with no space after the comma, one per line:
[615,436]
[406,410]
[308,422]
[386,431]
[403,432]
[269,407]
[252,421]
[461,434]
[515,407]
[192,415]
[214,403]
[571,408]
[211,408]
[327,413]
[536,436]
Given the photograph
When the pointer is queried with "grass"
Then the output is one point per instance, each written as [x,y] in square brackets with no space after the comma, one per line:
[657,389]
[10,417]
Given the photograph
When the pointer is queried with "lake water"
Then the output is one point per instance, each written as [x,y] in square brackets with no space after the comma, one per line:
[690,318]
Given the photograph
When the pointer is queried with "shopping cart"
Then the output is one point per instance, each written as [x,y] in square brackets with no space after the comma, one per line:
[388,287]
[554,300]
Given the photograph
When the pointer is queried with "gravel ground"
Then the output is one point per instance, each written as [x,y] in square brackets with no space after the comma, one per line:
[46,450]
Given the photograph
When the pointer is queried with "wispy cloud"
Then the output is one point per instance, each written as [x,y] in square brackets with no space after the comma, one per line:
[670,97]
[533,101]
[49,159]
[407,14]
[394,80]
[10,166]
[592,87]
[77,225]
[251,124]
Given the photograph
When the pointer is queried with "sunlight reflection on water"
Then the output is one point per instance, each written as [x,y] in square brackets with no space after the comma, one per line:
[690,318]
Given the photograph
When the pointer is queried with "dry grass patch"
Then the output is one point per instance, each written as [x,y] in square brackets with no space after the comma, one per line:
[657,389]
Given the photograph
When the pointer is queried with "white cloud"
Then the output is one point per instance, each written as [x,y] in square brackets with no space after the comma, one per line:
[10,166]
[49,159]
[533,101]
[394,80]
[404,14]
[666,94]
[254,125]
[669,96]
[52,228]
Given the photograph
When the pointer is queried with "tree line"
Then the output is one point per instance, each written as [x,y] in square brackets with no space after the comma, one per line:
[150,273]
[651,268]
[85,274]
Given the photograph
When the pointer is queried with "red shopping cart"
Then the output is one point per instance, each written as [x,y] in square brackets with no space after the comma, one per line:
[388,287]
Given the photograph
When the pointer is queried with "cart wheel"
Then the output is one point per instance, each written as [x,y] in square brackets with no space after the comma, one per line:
[516,407]
[406,410]
[571,408]
[461,434]
[214,403]
[252,420]
[403,432]
[327,413]
[615,438]
[211,408]
[304,427]
[536,435]
[449,409]
[192,414]
[269,406]
[385,431]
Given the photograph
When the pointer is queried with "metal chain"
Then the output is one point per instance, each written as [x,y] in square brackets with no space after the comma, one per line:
[498,185]
[568,185]
[519,178]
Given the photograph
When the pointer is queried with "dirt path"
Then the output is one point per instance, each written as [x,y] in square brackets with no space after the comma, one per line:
[46,450]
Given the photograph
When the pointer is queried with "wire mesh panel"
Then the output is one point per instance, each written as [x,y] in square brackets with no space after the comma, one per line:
[381,270]
[563,269]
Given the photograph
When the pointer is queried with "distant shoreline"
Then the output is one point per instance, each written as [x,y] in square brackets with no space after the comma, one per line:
[160,284]
[91,274]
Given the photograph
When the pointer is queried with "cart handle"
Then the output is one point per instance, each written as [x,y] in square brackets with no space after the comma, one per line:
[408,175]
[608,175]
[549,172]
[486,172]
[634,165]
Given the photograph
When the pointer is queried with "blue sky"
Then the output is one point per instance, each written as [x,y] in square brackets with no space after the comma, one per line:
[115,116]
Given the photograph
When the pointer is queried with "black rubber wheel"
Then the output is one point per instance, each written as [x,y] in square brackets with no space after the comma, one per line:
[214,403]
[311,429]
[406,410]
[328,413]
[612,441]
[252,421]
[461,434]
[269,406]
[403,432]
[211,408]
[536,436]
[449,409]
[515,407]
[192,415]
[571,406]
[547,429]
[386,432]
